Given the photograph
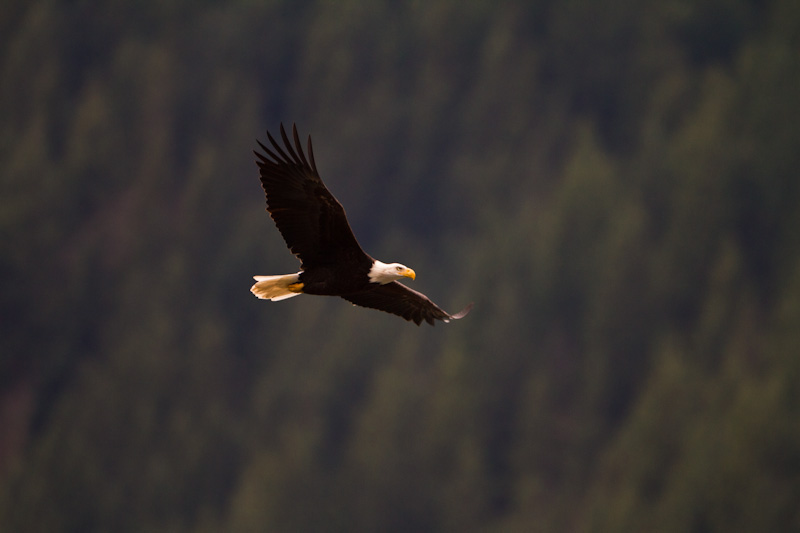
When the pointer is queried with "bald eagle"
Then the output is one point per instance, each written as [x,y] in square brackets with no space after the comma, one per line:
[314,225]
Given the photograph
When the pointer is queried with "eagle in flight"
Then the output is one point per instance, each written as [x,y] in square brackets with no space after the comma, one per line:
[314,225]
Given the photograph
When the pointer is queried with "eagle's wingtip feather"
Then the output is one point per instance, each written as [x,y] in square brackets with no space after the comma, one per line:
[464,312]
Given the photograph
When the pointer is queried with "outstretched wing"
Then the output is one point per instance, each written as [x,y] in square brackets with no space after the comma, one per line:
[312,222]
[398,299]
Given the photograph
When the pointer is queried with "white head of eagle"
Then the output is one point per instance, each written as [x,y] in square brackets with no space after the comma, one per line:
[384,273]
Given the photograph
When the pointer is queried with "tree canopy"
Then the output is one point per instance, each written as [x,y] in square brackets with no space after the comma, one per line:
[614,185]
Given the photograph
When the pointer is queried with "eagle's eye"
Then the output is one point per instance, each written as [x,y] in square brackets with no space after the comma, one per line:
[398,268]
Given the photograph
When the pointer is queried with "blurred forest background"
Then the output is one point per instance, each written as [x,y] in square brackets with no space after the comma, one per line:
[615,184]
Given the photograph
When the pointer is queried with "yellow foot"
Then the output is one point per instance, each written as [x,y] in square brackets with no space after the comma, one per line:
[295,287]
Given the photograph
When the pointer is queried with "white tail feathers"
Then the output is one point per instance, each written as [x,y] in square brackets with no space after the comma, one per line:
[275,288]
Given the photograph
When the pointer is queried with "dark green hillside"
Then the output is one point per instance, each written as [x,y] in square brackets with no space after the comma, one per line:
[615,186]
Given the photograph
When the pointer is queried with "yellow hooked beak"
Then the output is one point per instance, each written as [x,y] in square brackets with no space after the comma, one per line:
[408,273]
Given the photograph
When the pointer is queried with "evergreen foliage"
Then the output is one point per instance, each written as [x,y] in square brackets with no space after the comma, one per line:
[614,184]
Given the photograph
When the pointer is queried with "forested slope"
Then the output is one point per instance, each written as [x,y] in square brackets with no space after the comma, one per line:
[614,184]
